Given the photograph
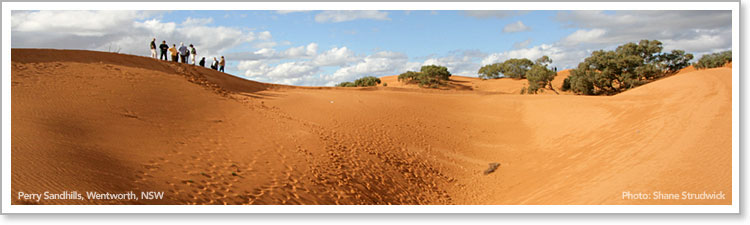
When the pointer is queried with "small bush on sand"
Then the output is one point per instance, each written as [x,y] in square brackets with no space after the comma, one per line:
[566,84]
[367,81]
[428,76]
[361,82]
[714,60]
[345,84]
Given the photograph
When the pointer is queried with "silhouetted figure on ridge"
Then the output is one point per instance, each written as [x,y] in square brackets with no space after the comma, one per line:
[193,53]
[153,48]
[183,53]
[221,64]
[164,47]
[215,64]
[173,51]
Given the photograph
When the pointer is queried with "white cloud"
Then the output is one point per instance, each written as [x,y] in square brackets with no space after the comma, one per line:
[410,66]
[269,53]
[265,44]
[155,26]
[80,23]
[301,51]
[584,36]
[349,15]
[693,31]
[211,40]
[253,68]
[265,52]
[291,73]
[296,65]
[264,71]
[378,64]
[464,63]
[292,69]
[701,43]
[197,21]
[265,35]
[681,28]
[518,26]
[485,14]
[522,44]
[335,57]
[128,31]
[532,53]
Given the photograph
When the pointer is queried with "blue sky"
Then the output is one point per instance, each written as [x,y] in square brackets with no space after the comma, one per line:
[327,47]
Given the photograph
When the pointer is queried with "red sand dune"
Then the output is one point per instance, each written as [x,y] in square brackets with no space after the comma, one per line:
[94,121]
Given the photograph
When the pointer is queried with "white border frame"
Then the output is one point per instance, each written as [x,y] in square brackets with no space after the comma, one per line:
[6,98]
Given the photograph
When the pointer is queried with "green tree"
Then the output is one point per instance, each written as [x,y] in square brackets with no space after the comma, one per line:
[361,82]
[346,84]
[538,77]
[628,66]
[676,60]
[513,68]
[714,60]
[437,72]
[543,61]
[491,71]
[428,76]
[516,68]
[367,81]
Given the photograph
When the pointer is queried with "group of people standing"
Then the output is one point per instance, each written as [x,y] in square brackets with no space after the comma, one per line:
[183,53]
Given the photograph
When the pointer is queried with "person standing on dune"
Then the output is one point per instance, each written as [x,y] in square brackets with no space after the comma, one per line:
[153,48]
[215,64]
[221,64]
[193,53]
[173,52]
[183,53]
[203,62]
[164,47]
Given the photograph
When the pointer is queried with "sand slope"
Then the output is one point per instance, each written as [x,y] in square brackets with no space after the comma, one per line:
[92,121]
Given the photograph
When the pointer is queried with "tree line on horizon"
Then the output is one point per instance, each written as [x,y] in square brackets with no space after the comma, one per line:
[714,60]
[602,73]
[536,73]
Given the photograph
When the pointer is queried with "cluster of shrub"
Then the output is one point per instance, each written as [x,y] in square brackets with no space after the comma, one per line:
[361,82]
[603,73]
[536,73]
[628,66]
[431,76]
[714,60]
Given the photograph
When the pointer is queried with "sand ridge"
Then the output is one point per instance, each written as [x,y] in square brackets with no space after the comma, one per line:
[94,121]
